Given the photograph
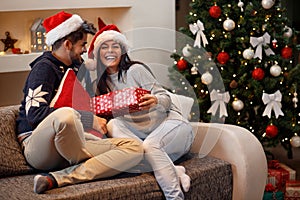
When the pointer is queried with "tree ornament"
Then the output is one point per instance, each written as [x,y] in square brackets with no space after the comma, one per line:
[275,70]
[215,11]
[295,99]
[286,52]
[206,78]
[228,24]
[295,141]
[186,51]
[288,32]
[274,43]
[181,64]
[241,4]
[248,54]
[237,104]
[219,100]
[197,29]
[233,84]
[267,4]
[194,70]
[223,57]
[272,102]
[271,131]
[258,74]
[261,43]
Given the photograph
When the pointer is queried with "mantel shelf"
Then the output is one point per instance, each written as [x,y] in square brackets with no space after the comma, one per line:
[16,62]
[21,5]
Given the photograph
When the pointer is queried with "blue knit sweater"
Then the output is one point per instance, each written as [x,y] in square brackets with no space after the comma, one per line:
[40,88]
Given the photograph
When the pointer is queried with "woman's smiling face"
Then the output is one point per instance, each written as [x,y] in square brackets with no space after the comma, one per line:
[110,55]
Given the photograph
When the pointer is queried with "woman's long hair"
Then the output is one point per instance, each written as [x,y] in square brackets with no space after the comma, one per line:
[124,65]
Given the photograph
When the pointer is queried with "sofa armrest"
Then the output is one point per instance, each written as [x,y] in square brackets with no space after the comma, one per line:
[239,147]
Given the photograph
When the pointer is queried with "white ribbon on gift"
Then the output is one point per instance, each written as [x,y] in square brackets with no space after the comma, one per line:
[198,28]
[273,102]
[219,102]
[260,42]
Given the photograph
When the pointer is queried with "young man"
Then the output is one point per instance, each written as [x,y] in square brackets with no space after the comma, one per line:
[55,139]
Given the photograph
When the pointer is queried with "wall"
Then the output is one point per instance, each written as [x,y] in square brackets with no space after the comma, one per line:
[134,17]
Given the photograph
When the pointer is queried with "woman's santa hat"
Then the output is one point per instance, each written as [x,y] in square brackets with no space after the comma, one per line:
[105,33]
[61,25]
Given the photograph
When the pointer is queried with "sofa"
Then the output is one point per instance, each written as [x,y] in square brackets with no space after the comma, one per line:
[225,162]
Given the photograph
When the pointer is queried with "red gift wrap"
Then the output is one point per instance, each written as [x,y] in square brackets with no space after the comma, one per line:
[119,102]
[279,174]
[292,191]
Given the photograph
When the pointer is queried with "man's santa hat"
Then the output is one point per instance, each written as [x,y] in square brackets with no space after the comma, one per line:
[105,33]
[61,25]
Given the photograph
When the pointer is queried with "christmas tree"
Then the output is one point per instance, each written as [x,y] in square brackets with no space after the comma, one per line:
[241,65]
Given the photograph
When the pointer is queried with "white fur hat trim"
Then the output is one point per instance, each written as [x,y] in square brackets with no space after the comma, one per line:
[63,29]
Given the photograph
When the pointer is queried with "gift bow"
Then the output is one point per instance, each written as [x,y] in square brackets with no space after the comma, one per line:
[198,28]
[260,42]
[273,102]
[220,100]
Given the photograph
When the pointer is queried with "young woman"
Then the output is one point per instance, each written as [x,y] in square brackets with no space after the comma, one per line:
[164,133]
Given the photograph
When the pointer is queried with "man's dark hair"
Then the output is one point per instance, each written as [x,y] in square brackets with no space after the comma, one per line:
[76,35]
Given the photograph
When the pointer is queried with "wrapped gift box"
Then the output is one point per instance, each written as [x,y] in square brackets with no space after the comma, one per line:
[292,190]
[279,173]
[273,195]
[119,102]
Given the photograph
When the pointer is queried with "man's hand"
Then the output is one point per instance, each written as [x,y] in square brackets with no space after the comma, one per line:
[99,124]
[148,101]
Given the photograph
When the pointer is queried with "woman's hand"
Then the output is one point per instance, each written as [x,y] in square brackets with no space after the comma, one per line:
[148,101]
[99,124]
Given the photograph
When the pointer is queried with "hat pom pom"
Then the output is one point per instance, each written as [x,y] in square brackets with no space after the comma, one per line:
[90,64]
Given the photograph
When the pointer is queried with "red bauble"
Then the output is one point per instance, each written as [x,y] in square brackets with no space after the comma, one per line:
[223,57]
[258,74]
[286,52]
[181,64]
[215,11]
[271,131]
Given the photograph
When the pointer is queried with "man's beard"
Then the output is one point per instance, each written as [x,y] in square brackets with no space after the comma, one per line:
[75,60]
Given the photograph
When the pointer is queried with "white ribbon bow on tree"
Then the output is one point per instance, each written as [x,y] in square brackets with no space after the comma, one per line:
[219,102]
[273,102]
[198,28]
[261,42]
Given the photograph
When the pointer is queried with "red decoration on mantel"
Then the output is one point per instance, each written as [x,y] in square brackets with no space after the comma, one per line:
[8,42]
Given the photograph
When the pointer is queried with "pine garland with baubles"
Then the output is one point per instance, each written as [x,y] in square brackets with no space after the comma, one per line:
[251,46]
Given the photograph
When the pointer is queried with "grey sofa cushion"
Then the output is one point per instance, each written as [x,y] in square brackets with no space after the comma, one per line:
[211,178]
[12,161]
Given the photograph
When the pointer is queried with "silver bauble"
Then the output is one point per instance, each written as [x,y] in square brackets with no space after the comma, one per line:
[248,54]
[186,51]
[295,141]
[267,4]
[275,70]
[206,78]
[228,24]
[237,105]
